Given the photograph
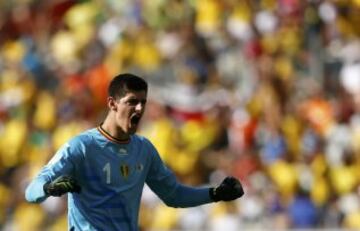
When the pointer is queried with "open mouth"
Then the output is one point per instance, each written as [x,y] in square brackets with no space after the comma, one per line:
[135,120]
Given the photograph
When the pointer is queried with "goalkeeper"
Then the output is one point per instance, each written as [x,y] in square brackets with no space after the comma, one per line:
[105,168]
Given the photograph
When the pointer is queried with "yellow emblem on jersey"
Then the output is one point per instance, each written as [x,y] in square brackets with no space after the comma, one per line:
[125,170]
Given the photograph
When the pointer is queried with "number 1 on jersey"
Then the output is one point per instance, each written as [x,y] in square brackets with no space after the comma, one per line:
[107,171]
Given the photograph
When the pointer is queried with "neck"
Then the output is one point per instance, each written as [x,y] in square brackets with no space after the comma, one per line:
[110,127]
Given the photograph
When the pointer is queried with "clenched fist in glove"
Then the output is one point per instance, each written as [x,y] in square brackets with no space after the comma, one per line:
[230,189]
[61,185]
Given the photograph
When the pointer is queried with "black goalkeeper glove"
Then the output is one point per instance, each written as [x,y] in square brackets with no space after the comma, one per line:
[61,185]
[230,189]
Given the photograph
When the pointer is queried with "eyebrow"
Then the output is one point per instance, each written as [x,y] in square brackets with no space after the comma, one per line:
[135,98]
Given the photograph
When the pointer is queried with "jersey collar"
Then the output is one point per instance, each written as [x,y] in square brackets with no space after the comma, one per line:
[110,137]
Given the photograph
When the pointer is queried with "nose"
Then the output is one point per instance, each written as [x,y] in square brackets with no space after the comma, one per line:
[139,107]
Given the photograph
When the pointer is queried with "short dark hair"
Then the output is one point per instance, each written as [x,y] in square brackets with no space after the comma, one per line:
[123,83]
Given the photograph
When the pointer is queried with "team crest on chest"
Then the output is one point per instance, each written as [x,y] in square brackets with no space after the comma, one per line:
[125,170]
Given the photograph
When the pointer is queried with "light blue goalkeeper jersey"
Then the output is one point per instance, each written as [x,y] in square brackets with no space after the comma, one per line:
[112,175]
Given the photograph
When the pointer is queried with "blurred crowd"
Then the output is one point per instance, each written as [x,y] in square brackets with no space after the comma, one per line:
[264,90]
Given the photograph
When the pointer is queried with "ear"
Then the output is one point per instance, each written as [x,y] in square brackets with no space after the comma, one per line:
[111,103]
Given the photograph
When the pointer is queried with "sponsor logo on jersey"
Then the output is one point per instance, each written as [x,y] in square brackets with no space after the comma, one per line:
[122,152]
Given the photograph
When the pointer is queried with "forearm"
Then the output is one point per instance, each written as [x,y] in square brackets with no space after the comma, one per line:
[34,192]
[185,196]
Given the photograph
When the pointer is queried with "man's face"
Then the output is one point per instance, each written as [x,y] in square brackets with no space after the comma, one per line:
[129,110]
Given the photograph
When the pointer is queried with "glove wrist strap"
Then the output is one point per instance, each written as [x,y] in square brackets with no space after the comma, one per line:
[45,188]
[213,195]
